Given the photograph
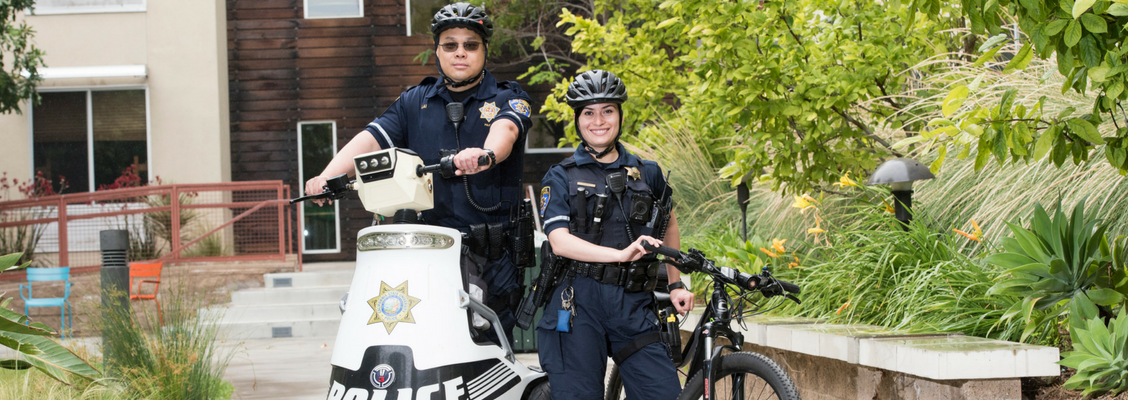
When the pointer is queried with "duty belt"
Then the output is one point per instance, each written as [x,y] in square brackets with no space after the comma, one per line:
[633,276]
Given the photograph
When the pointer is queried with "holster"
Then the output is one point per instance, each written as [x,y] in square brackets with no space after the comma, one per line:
[551,274]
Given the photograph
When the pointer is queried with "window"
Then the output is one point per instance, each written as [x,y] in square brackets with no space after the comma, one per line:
[334,9]
[420,13]
[46,7]
[545,135]
[321,227]
[90,137]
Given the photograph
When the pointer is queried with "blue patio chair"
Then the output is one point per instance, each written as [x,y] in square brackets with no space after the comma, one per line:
[47,275]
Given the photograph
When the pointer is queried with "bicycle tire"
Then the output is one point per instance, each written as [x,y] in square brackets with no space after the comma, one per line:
[760,374]
[614,386]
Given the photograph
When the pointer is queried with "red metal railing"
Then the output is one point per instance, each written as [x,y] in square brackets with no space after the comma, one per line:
[224,222]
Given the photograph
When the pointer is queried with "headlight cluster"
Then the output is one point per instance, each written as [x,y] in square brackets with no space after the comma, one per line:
[400,240]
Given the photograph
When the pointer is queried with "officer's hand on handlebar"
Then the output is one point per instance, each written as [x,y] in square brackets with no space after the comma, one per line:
[466,161]
[316,185]
[635,251]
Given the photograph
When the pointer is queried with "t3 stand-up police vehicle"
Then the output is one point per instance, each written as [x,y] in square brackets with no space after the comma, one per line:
[406,326]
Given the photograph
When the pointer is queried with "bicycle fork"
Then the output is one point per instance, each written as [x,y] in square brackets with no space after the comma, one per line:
[719,326]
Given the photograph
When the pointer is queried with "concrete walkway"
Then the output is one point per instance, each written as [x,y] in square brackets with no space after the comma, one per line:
[290,368]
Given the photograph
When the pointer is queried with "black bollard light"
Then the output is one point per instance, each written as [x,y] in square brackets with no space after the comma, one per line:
[900,173]
[115,285]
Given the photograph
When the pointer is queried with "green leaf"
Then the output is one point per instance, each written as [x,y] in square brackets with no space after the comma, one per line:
[1021,59]
[1085,130]
[1118,9]
[993,41]
[8,262]
[1045,142]
[1055,26]
[1081,6]
[1098,74]
[1090,54]
[954,100]
[939,162]
[667,22]
[1072,33]
[56,361]
[1105,296]
[1094,23]
[988,56]
[14,364]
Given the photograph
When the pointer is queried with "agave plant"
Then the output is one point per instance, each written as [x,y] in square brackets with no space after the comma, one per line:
[1054,262]
[37,350]
[1100,353]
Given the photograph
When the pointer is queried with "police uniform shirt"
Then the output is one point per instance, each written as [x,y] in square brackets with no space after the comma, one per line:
[557,192]
[418,121]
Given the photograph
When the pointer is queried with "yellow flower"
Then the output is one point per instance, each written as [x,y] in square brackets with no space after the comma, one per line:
[804,202]
[769,253]
[978,232]
[792,265]
[846,181]
[777,245]
[888,208]
[816,230]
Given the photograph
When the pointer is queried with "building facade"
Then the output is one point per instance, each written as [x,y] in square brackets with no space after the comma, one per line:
[128,83]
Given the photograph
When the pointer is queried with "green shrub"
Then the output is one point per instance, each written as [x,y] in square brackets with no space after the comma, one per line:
[1054,262]
[1100,353]
[179,360]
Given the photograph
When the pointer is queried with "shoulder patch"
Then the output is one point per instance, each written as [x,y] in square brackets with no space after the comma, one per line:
[520,106]
[546,194]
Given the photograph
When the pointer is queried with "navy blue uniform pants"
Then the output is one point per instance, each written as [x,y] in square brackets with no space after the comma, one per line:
[606,319]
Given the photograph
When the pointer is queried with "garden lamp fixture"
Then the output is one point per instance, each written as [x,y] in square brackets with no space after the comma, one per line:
[900,173]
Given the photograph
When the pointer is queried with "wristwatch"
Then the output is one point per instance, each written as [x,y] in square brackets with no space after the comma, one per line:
[675,285]
[493,158]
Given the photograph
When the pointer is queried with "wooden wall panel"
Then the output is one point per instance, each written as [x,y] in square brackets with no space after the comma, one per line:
[284,69]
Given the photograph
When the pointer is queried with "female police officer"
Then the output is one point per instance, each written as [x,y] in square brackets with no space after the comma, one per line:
[598,206]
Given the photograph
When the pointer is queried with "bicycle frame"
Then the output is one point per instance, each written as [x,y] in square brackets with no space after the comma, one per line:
[714,323]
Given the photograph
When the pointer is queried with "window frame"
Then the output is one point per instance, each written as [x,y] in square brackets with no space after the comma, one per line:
[90,126]
[301,208]
[305,11]
[546,150]
[38,9]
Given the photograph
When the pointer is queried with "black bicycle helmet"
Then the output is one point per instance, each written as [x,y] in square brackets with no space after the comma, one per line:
[595,86]
[462,15]
[592,87]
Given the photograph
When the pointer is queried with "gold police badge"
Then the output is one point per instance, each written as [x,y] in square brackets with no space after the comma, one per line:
[489,111]
[392,306]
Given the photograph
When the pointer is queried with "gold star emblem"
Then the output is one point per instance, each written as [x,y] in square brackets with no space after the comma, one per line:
[633,173]
[392,306]
[489,111]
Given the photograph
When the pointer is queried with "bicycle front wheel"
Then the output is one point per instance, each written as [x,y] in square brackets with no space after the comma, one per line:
[745,375]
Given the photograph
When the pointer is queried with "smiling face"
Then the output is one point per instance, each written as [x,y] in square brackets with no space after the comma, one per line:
[599,125]
[461,64]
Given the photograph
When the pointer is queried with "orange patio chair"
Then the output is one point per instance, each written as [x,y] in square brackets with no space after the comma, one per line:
[147,273]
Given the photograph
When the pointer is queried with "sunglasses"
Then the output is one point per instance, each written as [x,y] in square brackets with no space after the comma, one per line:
[451,47]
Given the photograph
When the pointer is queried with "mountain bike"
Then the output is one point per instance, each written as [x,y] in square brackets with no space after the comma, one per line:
[737,374]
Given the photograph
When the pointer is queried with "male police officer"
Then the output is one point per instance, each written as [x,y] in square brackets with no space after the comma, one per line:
[478,202]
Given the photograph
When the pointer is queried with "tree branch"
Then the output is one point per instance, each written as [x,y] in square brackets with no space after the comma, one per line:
[866,130]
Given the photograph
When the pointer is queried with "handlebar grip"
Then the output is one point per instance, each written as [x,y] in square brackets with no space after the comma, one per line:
[789,287]
[484,160]
[663,250]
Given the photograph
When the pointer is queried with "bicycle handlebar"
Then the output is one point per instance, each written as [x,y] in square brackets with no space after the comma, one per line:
[763,282]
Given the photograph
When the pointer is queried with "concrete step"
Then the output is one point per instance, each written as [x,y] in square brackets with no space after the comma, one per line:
[308,279]
[325,327]
[299,295]
[279,312]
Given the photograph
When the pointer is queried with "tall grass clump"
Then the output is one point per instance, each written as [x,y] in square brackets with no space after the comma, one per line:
[180,360]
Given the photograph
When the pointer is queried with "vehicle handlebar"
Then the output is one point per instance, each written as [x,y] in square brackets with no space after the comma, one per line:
[764,282]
